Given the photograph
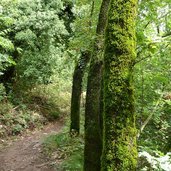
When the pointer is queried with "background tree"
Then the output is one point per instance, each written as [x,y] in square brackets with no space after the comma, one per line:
[6,46]
[39,31]
[93,115]
[76,92]
[88,17]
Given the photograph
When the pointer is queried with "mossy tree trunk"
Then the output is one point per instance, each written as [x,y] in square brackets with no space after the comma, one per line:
[93,133]
[76,91]
[119,139]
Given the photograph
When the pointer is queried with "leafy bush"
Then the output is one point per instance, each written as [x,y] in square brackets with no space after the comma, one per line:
[49,101]
[158,162]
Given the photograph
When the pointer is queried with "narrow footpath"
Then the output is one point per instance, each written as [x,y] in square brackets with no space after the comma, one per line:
[25,154]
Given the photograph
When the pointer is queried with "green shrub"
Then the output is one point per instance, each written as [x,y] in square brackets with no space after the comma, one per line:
[157,162]
[51,102]
[14,120]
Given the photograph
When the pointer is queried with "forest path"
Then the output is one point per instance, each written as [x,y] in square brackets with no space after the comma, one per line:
[25,154]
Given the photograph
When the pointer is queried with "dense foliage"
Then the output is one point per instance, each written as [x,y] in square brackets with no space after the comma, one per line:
[152,74]
[33,59]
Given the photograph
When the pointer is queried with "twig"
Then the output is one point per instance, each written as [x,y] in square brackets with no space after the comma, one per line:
[150,116]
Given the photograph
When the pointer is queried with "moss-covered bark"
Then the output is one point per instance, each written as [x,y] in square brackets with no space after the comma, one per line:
[93,137]
[119,140]
[76,91]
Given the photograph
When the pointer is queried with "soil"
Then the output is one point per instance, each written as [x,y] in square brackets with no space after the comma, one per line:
[25,154]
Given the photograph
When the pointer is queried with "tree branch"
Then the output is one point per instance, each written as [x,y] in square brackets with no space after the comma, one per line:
[150,116]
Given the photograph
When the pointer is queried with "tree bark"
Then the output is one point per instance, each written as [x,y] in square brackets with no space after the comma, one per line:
[93,132]
[76,92]
[119,139]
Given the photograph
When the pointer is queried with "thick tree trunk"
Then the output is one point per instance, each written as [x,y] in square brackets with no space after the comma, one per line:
[93,133]
[119,139]
[76,91]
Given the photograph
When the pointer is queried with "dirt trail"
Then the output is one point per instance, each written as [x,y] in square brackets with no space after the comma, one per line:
[25,154]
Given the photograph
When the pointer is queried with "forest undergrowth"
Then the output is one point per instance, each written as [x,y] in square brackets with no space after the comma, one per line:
[32,110]
[66,150]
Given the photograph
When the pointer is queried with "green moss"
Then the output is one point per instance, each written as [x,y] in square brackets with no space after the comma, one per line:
[119,149]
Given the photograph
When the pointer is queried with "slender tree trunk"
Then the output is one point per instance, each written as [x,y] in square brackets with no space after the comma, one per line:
[93,135]
[76,92]
[119,139]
